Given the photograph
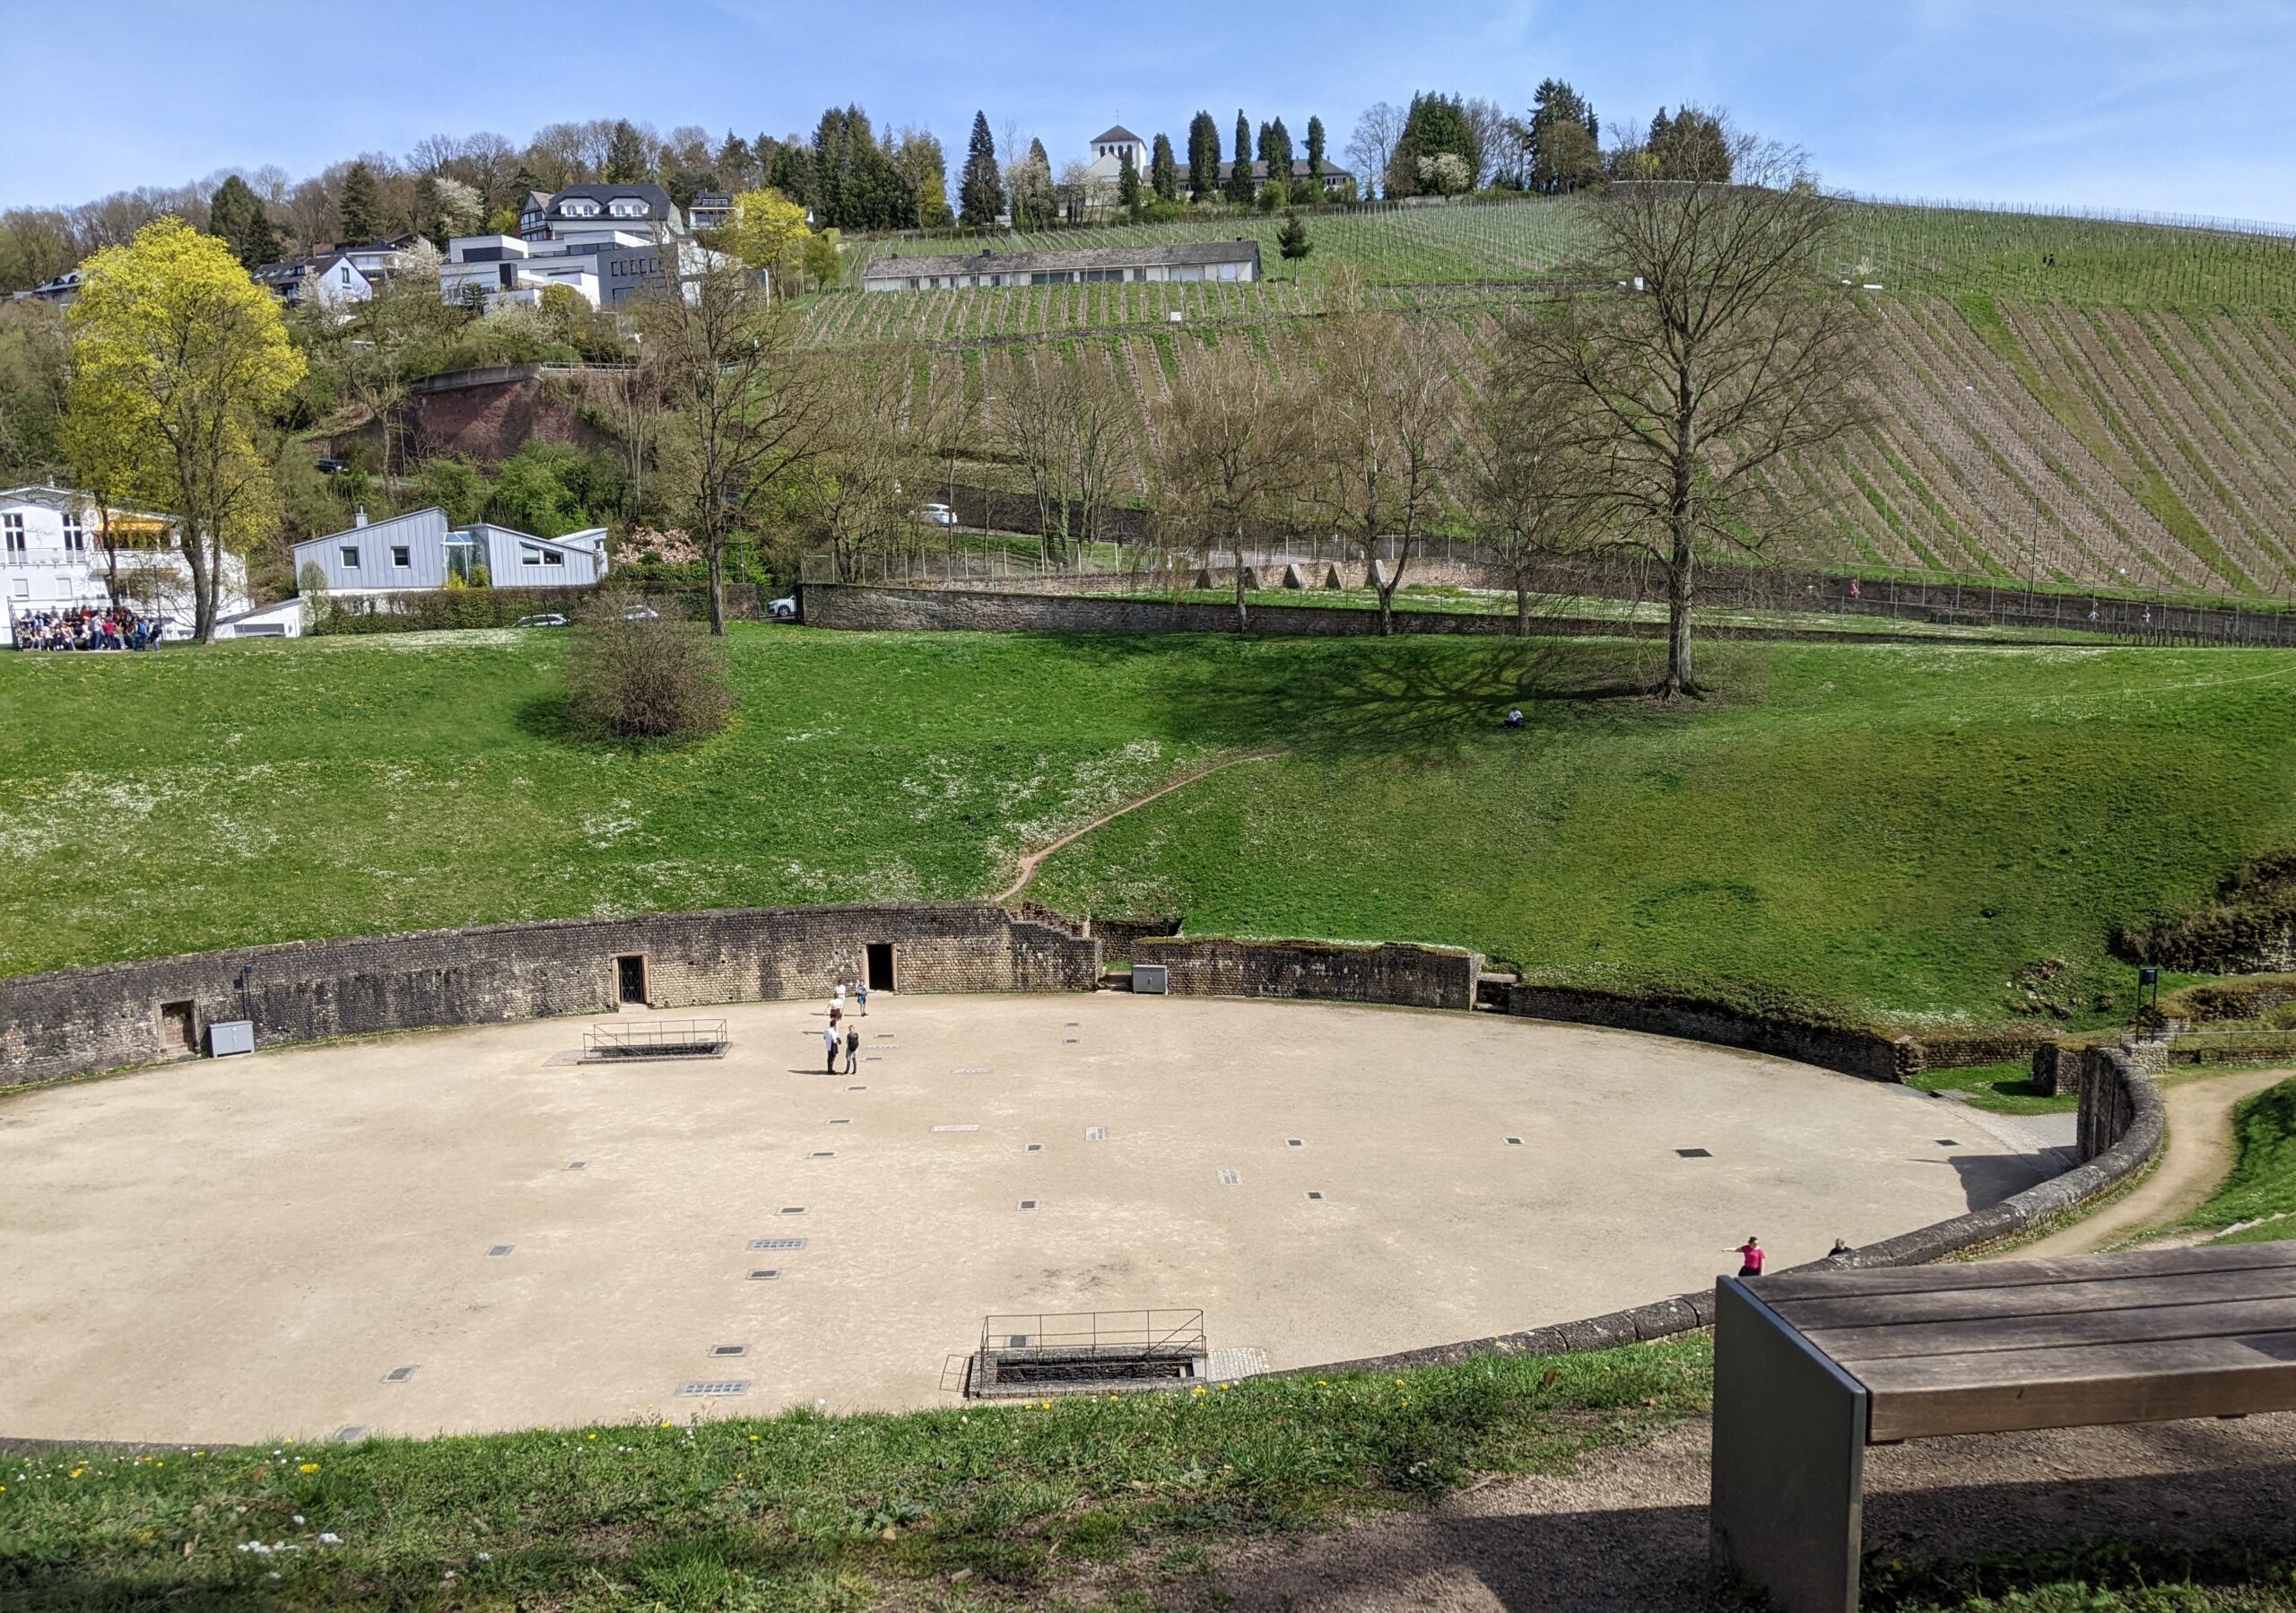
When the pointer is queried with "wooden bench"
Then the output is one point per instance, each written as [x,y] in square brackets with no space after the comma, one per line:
[1810,1367]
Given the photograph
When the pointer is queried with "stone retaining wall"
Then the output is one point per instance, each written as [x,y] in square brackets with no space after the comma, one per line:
[80,1021]
[1417,977]
[2120,1110]
[1847,1050]
[851,607]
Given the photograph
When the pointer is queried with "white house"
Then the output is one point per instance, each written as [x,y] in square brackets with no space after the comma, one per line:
[420,550]
[52,555]
[337,277]
[605,241]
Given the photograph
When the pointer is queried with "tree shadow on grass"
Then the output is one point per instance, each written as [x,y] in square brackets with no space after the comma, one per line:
[1405,695]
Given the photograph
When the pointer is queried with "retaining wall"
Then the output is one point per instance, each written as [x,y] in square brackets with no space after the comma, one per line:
[855,608]
[1847,1050]
[2120,1113]
[1418,977]
[80,1021]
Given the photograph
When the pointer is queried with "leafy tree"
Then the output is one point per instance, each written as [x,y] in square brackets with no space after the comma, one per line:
[736,164]
[1272,194]
[626,158]
[980,195]
[767,231]
[1435,125]
[37,244]
[1035,203]
[822,259]
[685,183]
[456,486]
[1558,157]
[359,207]
[1692,146]
[1291,242]
[1315,154]
[1203,157]
[633,673]
[236,214]
[1163,171]
[1276,152]
[1127,186]
[855,186]
[916,156]
[185,360]
[1239,171]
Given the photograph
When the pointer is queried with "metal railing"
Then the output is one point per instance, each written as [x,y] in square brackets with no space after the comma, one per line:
[654,1039]
[1086,1335]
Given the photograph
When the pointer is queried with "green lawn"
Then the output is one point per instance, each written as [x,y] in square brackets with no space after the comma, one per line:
[970,1508]
[1881,831]
[2002,1088]
[2259,1196]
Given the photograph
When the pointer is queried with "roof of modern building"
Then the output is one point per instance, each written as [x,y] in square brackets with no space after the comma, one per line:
[1119,133]
[657,200]
[1090,258]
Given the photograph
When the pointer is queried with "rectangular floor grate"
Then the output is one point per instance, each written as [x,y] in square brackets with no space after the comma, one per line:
[499,1251]
[716,1386]
[1028,1204]
[1947,1142]
[1514,1142]
[840,1122]
[399,1374]
[1230,1179]
[822,1153]
[1694,1152]
[956,1127]
[856,1089]
[729,1350]
[1313,1194]
[776,1243]
[1096,1134]
[579,1164]
[792,1209]
[1036,1147]
[1068,1042]
[975,1069]
[1295,1142]
[764,1274]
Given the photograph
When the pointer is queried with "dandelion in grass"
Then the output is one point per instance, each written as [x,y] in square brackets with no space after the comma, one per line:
[308,1467]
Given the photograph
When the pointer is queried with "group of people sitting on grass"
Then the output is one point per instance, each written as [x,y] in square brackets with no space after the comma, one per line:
[86,627]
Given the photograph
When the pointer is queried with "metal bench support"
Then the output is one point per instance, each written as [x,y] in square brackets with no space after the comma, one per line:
[1789,1460]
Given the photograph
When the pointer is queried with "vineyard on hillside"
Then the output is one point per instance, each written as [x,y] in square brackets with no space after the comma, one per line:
[2099,446]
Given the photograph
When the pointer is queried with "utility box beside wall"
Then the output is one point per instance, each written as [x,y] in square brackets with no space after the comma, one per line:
[228,1036]
[1154,980]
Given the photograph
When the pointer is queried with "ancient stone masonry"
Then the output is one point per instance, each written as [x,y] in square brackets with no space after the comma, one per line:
[1419,977]
[1850,1050]
[79,1021]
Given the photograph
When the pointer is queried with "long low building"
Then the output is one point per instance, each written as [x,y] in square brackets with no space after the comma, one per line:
[1197,261]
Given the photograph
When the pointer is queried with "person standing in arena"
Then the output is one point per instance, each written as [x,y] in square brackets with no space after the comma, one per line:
[1751,1255]
[829,1041]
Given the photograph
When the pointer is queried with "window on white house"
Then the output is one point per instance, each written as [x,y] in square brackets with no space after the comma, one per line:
[22,589]
[13,527]
[349,557]
[551,557]
[75,536]
[402,556]
[344,272]
[528,556]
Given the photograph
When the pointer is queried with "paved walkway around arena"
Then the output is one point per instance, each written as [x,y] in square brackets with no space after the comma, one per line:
[468,1230]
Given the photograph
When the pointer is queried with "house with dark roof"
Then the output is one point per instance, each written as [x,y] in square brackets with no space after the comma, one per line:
[337,275]
[1335,179]
[1233,260]
[585,212]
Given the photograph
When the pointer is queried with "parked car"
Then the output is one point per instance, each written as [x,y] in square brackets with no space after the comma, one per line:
[639,612]
[784,609]
[332,468]
[548,618]
[937,515]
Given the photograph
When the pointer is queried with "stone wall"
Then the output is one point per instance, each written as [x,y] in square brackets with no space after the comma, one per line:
[1418,977]
[858,609]
[1119,937]
[2121,1113]
[78,1021]
[1851,1052]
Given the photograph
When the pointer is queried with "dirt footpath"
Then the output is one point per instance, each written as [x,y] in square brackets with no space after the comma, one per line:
[1628,1533]
[2198,1158]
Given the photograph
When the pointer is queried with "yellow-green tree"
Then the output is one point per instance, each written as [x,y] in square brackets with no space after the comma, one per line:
[767,231]
[185,360]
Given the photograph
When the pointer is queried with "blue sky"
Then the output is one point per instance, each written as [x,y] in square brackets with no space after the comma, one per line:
[2174,106]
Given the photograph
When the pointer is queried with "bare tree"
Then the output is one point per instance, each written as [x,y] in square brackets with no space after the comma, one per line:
[1487,120]
[744,409]
[1529,478]
[1725,348]
[1073,432]
[1383,408]
[1373,145]
[1230,449]
[875,445]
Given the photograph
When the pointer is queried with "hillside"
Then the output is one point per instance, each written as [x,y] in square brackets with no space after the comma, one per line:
[1960,814]
[2081,402]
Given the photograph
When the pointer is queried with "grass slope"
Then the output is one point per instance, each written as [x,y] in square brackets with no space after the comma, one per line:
[1883,832]
[801,1512]
[2259,1196]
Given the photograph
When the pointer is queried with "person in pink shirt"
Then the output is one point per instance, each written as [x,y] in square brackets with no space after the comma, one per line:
[1751,1255]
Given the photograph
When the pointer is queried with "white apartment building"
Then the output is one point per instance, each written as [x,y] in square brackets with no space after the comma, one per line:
[52,555]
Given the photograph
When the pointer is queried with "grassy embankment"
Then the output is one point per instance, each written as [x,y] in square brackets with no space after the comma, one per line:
[2257,1204]
[1886,833]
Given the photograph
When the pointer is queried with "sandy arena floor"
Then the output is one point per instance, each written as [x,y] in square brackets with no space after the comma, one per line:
[250,1248]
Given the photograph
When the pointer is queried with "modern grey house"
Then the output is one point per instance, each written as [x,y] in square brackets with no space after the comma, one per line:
[1200,260]
[419,550]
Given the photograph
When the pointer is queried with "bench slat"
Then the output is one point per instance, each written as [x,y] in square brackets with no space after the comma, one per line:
[2074,1386]
[1995,1346]
[1781,1291]
[1815,1316]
